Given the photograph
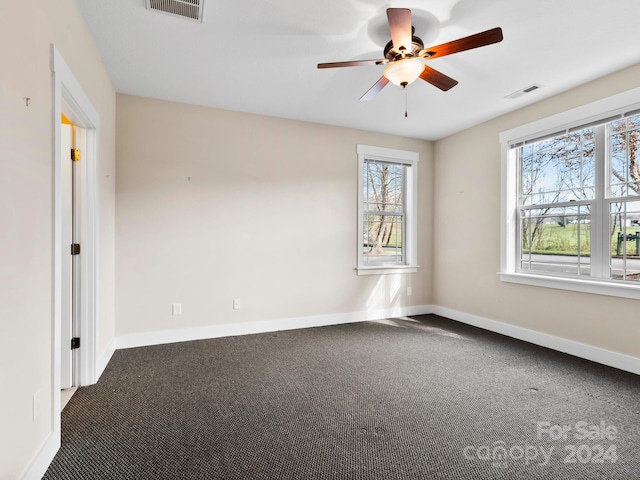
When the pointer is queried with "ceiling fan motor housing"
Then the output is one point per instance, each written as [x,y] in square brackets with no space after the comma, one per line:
[392,55]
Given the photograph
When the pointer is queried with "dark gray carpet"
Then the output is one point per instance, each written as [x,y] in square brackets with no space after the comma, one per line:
[420,398]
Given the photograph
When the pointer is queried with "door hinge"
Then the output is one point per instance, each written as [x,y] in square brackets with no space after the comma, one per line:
[75,343]
[75,155]
[75,249]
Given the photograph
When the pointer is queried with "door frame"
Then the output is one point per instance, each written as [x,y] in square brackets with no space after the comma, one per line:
[69,98]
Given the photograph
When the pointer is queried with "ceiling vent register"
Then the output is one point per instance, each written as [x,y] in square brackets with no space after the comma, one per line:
[524,91]
[189,9]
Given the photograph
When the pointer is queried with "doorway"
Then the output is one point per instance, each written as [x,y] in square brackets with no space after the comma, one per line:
[71,139]
[76,127]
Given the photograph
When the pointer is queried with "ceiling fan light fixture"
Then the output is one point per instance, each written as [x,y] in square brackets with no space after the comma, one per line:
[404,72]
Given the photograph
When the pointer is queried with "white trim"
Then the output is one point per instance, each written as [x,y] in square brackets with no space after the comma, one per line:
[606,107]
[43,458]
[595,286]
[577,349]
[382,153]
[90,205]
[508,230]
[409,159]
[103,361]
[387,270]
[247,328]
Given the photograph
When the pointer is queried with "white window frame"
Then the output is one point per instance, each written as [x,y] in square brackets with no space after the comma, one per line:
[410,243]
[616,105]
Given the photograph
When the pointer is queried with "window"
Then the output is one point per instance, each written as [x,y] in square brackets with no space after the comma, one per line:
[571,199]
[387,216]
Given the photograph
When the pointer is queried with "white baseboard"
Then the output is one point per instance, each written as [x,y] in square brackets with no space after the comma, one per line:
[588,352]
[246,328]
[104,359]
[43,458]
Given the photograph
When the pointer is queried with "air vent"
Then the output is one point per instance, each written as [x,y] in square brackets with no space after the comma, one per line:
[189,9]
[529,89]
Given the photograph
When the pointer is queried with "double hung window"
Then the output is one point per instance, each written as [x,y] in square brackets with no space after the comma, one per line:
[571,199]
[387,210]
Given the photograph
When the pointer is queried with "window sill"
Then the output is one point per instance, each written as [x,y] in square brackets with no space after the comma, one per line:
[594,286]
[382,270]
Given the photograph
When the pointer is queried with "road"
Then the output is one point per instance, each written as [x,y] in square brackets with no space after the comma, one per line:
[568,264]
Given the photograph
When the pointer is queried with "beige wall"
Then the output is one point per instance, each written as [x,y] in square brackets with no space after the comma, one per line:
[216,205]
[467,236]
[27,28]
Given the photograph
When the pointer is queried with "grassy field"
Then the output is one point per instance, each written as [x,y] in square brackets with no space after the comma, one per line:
[563,240]
[554,239]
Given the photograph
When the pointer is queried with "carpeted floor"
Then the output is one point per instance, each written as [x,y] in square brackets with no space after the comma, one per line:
[410,398]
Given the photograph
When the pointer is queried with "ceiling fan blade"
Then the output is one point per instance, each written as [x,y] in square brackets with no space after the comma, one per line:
[354,63]
[437,79]
[400,28]
[375,89]
[466,43]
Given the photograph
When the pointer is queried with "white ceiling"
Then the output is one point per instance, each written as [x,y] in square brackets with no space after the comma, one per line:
[260,56]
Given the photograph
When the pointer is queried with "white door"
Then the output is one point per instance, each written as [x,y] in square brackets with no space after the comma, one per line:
[66,358]
[77,143]
[71,267]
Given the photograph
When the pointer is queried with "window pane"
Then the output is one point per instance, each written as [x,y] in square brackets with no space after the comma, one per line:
[559,169]
[618,164]
[624,141]
[382,243]
[624,227]
[556,240]
[384,188]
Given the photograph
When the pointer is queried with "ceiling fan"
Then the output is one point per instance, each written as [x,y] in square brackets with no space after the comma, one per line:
[405,55]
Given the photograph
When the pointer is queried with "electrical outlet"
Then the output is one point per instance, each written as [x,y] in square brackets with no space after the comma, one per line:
[236,304]
[176,309]
[35,405]
[409,291]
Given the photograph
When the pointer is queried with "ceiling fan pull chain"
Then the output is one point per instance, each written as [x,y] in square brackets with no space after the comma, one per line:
[406,101]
